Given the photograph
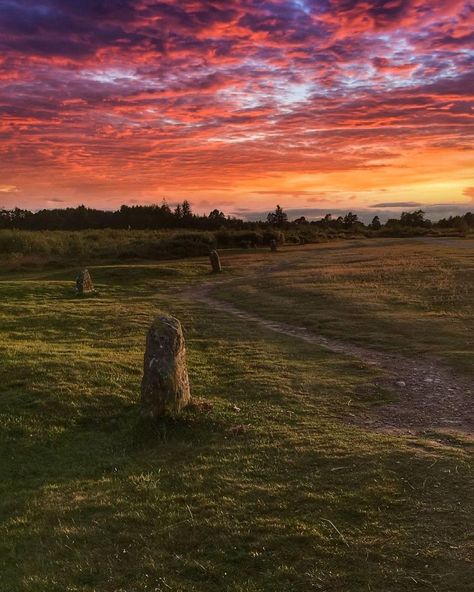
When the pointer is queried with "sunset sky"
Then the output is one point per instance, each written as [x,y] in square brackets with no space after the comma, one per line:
[322,105]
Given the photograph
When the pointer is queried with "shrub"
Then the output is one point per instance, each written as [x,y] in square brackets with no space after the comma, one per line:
[270,234]
[238,238]
[186,245]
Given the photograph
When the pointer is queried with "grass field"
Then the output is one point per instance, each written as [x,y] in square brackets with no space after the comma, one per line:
[263,485]
[414,296]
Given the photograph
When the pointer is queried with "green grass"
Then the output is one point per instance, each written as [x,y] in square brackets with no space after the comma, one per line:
[410,296]
[93,499]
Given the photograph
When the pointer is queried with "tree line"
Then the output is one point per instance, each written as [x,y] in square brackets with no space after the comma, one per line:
[150,217]
[351,221]
[162,216]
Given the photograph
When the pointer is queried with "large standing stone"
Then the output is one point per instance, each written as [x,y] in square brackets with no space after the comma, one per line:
[165,384]
[215,261]
[84,283]
[273,246]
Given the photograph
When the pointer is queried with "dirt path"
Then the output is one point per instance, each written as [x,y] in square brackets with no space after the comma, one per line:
[430,395]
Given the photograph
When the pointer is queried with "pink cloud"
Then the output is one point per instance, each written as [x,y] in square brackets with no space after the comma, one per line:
[137,96]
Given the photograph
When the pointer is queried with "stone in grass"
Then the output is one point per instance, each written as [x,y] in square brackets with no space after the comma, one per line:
[215,261]
[84,283]
[273,246]
[165,384]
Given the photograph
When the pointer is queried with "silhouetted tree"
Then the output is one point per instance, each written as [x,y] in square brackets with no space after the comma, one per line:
[350,219]
[165,207]
[416,219]
[327,221]
[278,217]
[300,220]
[216,219]
[375,224]
[186,209]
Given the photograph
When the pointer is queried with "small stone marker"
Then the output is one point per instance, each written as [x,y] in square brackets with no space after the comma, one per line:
[215,261]
[84,283]
[273,246]
[165,384]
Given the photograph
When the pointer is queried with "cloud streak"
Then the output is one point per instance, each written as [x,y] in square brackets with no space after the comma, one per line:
[397,204]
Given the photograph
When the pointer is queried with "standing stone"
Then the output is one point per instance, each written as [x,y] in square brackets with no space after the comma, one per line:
[84,283]
[273,246]
[215,261]
[165,383]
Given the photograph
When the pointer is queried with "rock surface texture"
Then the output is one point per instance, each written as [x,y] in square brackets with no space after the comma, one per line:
[84,283]
[215,262]
[165,384]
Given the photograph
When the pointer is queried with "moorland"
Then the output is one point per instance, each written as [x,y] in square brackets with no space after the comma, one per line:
[275,478]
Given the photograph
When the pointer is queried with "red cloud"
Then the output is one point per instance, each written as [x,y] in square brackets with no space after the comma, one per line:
[137,95]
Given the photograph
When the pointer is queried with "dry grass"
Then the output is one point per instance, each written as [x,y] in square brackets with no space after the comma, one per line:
[409,296]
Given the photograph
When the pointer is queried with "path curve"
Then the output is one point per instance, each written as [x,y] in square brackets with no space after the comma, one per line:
[430,395]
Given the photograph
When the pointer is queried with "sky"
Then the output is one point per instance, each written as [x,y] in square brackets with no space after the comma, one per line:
[317,105]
